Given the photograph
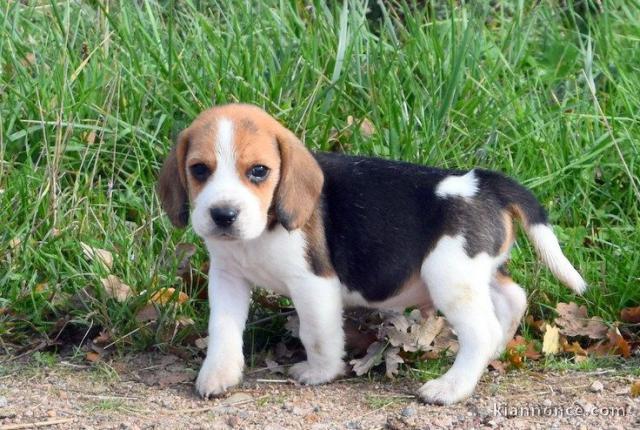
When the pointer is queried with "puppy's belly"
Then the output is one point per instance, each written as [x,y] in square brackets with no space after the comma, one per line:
[413,293]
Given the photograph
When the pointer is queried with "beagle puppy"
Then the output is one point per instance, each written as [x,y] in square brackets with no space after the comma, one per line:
[332,230]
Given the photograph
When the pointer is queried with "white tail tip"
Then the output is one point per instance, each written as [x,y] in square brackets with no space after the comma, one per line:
[548,248]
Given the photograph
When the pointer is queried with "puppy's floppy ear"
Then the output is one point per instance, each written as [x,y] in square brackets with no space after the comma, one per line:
[172,183]
[301,181]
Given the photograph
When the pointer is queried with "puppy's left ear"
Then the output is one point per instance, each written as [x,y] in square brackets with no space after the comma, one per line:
[301,181]
[172,186]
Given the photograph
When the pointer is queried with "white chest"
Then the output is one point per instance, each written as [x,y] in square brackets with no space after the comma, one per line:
[270,261]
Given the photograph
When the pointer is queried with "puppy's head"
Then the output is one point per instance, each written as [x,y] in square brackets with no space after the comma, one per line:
[237,168]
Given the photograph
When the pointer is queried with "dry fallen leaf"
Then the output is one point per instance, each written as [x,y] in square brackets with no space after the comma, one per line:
[147,313]
[201,343]
[367,129]
[630,315]
[293,325]
[635,389]
[573,347]
[166,295]
[96,254]
[392,360]
[15,242]
[273,366]
[116,289]
[573,321]
[498,366]
[614,344]
[184,321]
[518,349]
[551,340]
[92,356]
[371,359]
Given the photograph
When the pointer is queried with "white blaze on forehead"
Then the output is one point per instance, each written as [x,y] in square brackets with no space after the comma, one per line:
[464,186]
[225,149]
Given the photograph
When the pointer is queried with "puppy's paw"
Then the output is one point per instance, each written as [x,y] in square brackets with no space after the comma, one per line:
[305,373]
[214,379]
[444,391]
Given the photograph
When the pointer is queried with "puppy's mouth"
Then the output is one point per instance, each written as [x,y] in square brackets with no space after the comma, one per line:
[225,234]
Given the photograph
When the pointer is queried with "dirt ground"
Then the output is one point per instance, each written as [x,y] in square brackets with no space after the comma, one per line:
[155,391]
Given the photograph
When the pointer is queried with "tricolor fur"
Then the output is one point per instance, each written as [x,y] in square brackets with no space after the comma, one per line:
[332,230]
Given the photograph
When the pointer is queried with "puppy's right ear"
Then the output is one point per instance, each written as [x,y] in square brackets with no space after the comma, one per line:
[172,183]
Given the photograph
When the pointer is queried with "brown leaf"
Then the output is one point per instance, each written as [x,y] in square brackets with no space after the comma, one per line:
[426,331]
[630,315]
[293,325]
[166,295]
[103,338]
[498,366]
[184,321]
[116,289]
[367,129]
[102,256]
[371,359]
[537,324]
[392,360]
[282,352]
[551,340]
[573,347]
[635,389]
[445,341]
[573,321]
[147,313]
[92,356]
[615,344]
[273,366]
[518,349]
[202,343]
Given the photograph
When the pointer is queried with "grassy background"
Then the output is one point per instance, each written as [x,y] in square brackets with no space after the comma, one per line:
[91,93]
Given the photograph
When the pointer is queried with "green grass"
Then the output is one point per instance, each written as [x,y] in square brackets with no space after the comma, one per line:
[91,94]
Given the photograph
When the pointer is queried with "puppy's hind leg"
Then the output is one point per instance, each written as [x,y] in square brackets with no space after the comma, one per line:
[459,287]
[510,302]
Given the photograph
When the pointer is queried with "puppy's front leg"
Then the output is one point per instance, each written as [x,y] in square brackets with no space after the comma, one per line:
[229,298]
[318,302]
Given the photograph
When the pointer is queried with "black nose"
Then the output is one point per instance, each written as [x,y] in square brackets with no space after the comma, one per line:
[223,216]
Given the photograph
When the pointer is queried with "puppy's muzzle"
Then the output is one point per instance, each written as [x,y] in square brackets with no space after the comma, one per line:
[224,216]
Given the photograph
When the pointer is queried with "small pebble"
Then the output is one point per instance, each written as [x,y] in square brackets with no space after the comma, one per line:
[408,412]
[3,402]
[596,387]
[52,413]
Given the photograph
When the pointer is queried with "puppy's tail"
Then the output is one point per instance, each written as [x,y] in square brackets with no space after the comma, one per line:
[523,205]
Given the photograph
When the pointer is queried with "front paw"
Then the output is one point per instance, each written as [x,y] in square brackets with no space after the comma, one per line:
[305,373]
[214,379]
[445,391]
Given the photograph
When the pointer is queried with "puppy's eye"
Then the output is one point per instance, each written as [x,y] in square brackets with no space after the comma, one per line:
[200,172]
[258,173]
